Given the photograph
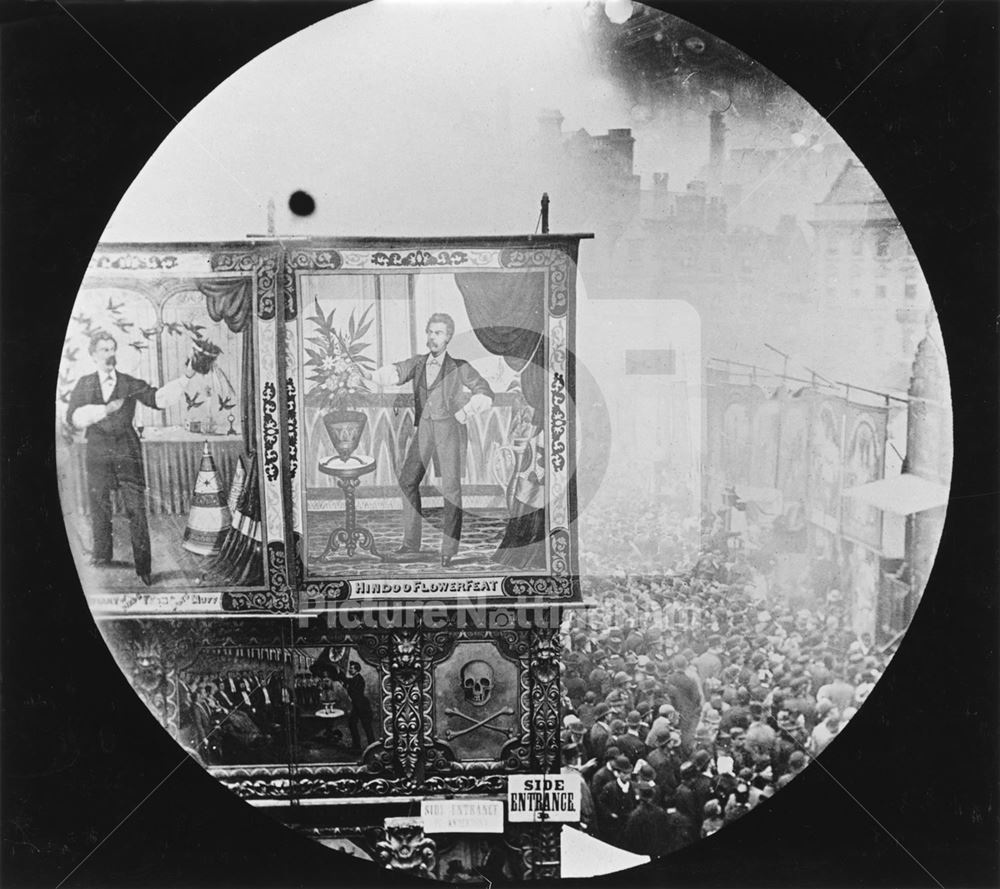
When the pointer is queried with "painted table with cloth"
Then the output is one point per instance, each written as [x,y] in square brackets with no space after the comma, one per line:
[171,456]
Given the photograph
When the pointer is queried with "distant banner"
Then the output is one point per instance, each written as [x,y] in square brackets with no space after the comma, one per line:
[864,461]
[793,466]
[729,421]
[809,447]
[765,426]
[825,449]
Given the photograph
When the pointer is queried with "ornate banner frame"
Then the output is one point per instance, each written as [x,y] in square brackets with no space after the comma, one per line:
[274,270]
[554,256]
[158,272]
[412,756]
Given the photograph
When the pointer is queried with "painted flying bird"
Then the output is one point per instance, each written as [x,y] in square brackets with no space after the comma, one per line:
[226,404]
[124,326]
[112,307]
[193,401]
[148,332]
[194,328]
[138,345]
[70,354]
[172,327]
[80,318]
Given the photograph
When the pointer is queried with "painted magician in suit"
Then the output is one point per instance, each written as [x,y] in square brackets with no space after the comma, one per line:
[446,392]
[103,404]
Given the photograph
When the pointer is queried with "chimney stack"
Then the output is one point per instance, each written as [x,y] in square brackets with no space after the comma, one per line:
[550,122]
[716,141]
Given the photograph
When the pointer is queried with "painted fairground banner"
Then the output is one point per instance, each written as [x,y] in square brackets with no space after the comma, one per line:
[825,460]
[864,461]
[169,492]
[253,427]
[430,393]
[766,436]
[809,446]
[793,467]
[730,427]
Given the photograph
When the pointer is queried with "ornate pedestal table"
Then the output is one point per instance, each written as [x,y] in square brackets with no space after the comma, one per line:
[348,473]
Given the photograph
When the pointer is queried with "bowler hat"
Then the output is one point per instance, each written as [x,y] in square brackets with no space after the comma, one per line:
[660,736]
[701,759]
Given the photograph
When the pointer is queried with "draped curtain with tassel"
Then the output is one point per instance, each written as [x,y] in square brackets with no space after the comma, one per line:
[507,312]
[240,560]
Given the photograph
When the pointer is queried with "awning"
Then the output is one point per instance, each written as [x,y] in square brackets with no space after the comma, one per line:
[584,856]
[903,494]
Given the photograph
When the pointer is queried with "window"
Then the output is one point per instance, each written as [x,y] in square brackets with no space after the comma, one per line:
[882,246]
[880,291]
[910,291]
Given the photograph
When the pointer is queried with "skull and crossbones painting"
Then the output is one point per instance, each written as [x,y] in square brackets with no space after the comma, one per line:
[476,695]
[478,680]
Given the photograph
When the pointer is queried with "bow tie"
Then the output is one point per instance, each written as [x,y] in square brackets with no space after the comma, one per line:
[434,362]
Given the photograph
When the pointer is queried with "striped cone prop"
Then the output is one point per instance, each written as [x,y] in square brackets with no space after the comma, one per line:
[240,559]
[209,518]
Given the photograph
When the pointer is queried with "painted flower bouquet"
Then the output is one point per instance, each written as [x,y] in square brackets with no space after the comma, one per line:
[339,371]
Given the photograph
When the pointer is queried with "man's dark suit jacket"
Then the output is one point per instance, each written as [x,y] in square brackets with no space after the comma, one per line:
[113,448]
[456,376]
[646,829]
[613,808]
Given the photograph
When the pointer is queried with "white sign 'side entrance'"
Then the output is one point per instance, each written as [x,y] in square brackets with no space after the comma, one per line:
[462,815]
[543,797]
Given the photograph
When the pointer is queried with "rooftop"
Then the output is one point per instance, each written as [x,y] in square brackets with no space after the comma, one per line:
[854,185]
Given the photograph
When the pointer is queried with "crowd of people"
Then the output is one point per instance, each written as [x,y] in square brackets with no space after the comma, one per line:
[693,686]
[691,690]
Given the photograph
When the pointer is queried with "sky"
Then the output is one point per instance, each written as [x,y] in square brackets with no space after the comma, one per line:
[399,117]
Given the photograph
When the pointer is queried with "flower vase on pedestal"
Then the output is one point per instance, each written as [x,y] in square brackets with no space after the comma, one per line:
[345,429]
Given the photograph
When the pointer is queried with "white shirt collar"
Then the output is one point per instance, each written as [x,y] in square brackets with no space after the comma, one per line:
[107,380]
[440,358]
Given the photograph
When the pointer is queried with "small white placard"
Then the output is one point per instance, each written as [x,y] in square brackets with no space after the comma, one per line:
[543,797]
[462,815]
